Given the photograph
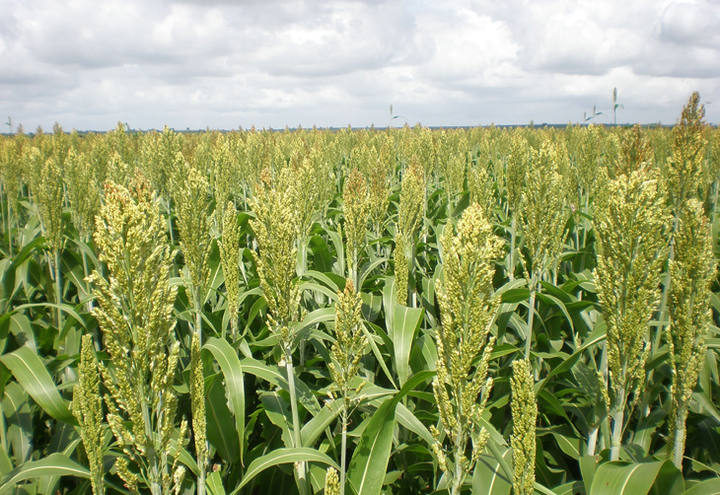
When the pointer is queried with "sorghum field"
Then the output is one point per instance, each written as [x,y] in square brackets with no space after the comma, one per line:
[485,311]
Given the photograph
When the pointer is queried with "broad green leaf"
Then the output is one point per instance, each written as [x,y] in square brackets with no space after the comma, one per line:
[314,428]
[376,351]
[283,456]
[560,305]
[232,371]
[544,490]
[408,420]
[489,477]
[620,478]
[189,461]
[214,484]
[569,488]
[321,289]
[16,409]
[321,315]
[705,487]
[32,375]
[53,465]
[588,467]
[369,462]
[277,376]
[405,324]
[569,445]
[63,307]
[226,440]
[570,360]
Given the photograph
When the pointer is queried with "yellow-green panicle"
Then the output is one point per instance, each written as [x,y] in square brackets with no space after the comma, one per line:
[87,409]
[692,270]
[349,345]
[275,232]
[524,417]
[135,314]
[464,343]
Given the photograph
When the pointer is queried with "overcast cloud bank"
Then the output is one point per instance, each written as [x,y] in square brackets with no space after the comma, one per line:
[224,64]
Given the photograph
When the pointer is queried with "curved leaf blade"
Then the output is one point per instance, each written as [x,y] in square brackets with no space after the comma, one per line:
[283,456]
[620,478]
[369,462]
[53,465]
[33,376]
[232,371]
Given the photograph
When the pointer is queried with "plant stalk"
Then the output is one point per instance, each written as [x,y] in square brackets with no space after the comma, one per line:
[618,417]
[9,225]
[300,469]
[58,288]
[198,329]
[530,317]
[592,440]
[511,268]
[343,451]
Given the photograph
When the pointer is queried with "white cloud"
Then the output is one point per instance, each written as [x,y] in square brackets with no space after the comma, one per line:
[271,63]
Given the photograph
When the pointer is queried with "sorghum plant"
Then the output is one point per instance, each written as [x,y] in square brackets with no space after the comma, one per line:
[135,314]
[345,354]
[410,216]
[543,218]
[49,195]
[85,196]
[452,168]
[193,220]
[276,234]
[691,271]
[482,187]
[631,229]
[524,417]
[356,209]
[332,483]
[516,168]
[87,409]
[230,258]
[464,344]
[684,171]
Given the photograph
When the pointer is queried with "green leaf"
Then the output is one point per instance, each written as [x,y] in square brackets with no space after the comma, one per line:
[366,471]
[568,363]
[314,428]
[30,372]
[214,484]
[376,351]
[16,409]
[569,445]
[407,419]
[588,467]
[621,478]
[489,477]
[369,462]
[277,376]
[283,456]
[63,307]
[706,487]
[53,465]
[547,298]
[223,438]
[232,371]
[405,324]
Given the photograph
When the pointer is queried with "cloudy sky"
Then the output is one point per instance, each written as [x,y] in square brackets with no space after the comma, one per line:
[271,63]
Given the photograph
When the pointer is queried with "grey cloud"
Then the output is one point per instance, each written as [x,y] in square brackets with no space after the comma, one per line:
[272,63]
[690,23]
